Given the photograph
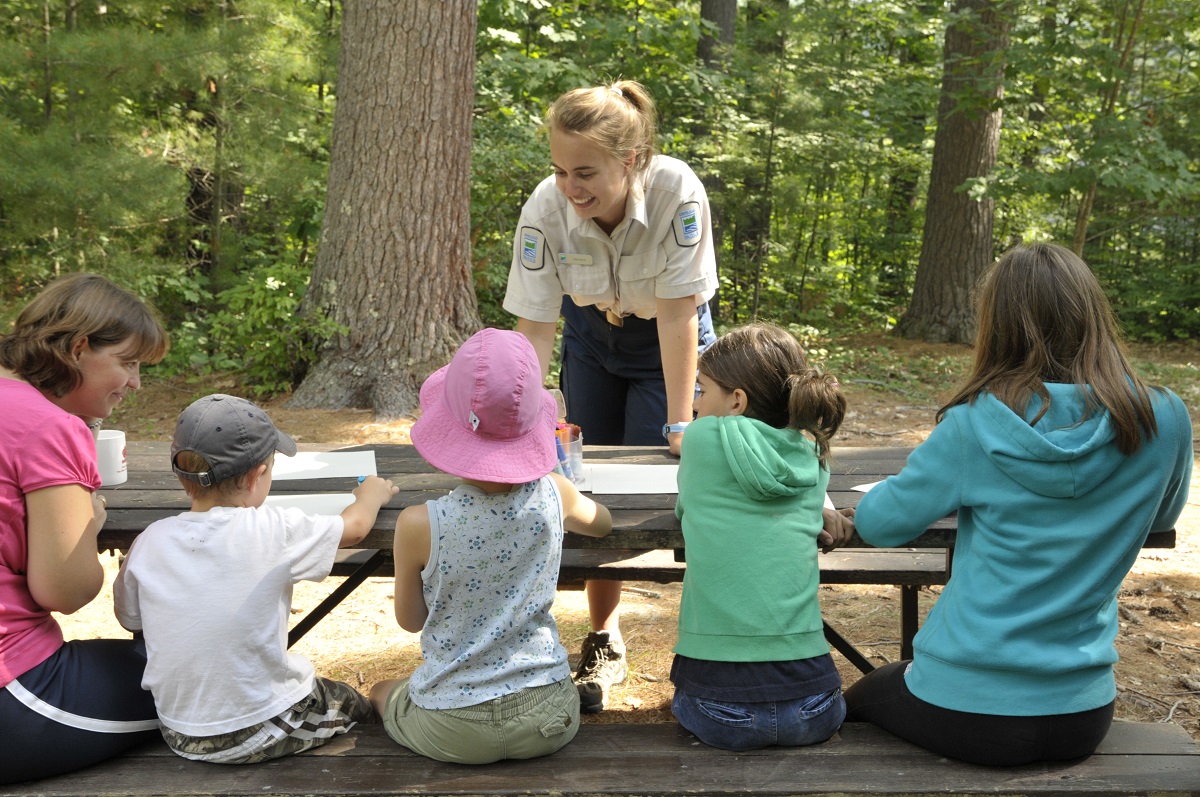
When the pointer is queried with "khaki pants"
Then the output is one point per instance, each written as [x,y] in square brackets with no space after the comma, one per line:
[530,723]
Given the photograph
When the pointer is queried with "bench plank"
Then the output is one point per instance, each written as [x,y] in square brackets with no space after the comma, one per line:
[612,759]
[866,566]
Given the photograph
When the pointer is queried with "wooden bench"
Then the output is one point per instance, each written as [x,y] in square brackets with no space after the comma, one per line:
[662,759]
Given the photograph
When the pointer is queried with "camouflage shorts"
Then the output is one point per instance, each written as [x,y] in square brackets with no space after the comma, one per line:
[330,709]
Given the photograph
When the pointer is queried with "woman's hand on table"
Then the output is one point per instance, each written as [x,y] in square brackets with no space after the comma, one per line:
[99,510]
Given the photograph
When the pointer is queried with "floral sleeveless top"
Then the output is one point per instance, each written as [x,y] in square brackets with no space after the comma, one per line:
[489,585]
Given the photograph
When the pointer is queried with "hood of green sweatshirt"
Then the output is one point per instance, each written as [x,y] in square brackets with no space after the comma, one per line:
[766,462]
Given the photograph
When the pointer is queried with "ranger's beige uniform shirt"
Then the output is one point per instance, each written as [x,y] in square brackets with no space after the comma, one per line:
[663,249]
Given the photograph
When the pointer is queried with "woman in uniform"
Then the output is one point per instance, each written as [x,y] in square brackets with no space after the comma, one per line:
[619,242]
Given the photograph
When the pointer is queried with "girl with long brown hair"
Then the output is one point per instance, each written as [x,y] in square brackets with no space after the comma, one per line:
[1059,461]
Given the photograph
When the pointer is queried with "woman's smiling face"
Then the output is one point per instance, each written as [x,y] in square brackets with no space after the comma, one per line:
[109,374]
[593,181]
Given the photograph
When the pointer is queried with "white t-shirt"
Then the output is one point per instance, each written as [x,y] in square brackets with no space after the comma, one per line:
[212,592]
[663,249]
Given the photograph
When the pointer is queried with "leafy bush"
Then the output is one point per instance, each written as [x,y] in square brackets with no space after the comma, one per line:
[258,325]
[252,328]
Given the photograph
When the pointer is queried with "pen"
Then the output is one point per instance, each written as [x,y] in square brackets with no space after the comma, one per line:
[562,459]
[362,479]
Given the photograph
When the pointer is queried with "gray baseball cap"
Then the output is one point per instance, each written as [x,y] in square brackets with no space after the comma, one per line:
[233,434]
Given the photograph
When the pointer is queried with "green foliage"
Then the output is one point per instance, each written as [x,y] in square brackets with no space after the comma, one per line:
[249,327]
[257,322]
[1183,378]
[922,377]
[184,149]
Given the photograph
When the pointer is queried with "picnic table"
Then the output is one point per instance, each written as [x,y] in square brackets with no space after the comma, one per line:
[646,542]
[641,521]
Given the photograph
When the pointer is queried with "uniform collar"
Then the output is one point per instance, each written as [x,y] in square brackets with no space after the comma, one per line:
[635,203]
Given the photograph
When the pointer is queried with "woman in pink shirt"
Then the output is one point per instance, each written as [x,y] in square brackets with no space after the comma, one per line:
[73,355]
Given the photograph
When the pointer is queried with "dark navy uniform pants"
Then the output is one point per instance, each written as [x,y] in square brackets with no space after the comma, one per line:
[612,376]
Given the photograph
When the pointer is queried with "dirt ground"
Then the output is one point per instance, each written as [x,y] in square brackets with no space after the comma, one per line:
[1158,676]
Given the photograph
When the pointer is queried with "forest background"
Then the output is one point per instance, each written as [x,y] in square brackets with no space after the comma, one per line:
[183,149]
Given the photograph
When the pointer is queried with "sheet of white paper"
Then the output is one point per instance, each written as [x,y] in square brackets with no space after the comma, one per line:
[313,503]
[324,465]
[865,488]
[608,478]
[829,502]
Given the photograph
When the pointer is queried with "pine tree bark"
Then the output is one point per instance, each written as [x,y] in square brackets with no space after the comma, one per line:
[956,244]
[393,264]
[714,51]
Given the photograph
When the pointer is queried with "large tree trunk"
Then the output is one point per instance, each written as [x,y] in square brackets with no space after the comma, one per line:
[956,245]
[393,263]
[714,51]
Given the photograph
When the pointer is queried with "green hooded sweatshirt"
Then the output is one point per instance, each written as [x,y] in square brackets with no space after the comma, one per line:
[750,500]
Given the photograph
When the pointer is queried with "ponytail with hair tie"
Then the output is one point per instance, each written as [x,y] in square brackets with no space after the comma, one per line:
[816,406]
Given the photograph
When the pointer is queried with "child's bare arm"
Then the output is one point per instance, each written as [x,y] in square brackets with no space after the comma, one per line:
[410,555]
[359,517]
[581,514]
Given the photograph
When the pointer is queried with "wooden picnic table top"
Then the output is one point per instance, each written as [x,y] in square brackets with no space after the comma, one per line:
[641,521]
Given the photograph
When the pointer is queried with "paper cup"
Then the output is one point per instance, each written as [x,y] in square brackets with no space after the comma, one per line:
[110,457]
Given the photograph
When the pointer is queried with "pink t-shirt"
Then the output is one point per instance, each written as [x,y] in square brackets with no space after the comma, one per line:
[41,446]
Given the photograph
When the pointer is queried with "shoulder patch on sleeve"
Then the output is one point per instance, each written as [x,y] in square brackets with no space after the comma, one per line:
[533,248]
[687,224]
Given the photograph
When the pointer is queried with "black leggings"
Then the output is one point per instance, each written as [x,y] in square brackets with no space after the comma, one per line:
[881,697]
[88,705]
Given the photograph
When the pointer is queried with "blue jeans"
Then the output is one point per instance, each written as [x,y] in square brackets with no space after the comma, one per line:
[749,726]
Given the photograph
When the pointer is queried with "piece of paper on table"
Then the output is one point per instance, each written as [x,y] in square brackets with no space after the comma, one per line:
[829,502]
[866,488]
[608,478]
[313,503]
[324,465]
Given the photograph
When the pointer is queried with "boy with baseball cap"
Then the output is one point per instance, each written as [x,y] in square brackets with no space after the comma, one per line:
[211,591]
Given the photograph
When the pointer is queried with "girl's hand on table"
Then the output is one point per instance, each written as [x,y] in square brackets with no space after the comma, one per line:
[837,530]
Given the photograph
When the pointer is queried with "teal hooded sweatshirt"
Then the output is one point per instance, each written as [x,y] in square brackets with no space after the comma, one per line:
[1051,517]
[750,501]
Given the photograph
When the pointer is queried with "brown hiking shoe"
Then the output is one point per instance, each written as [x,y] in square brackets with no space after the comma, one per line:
[602,665]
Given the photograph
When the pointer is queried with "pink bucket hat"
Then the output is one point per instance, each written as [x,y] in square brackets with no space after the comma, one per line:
[486,415]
